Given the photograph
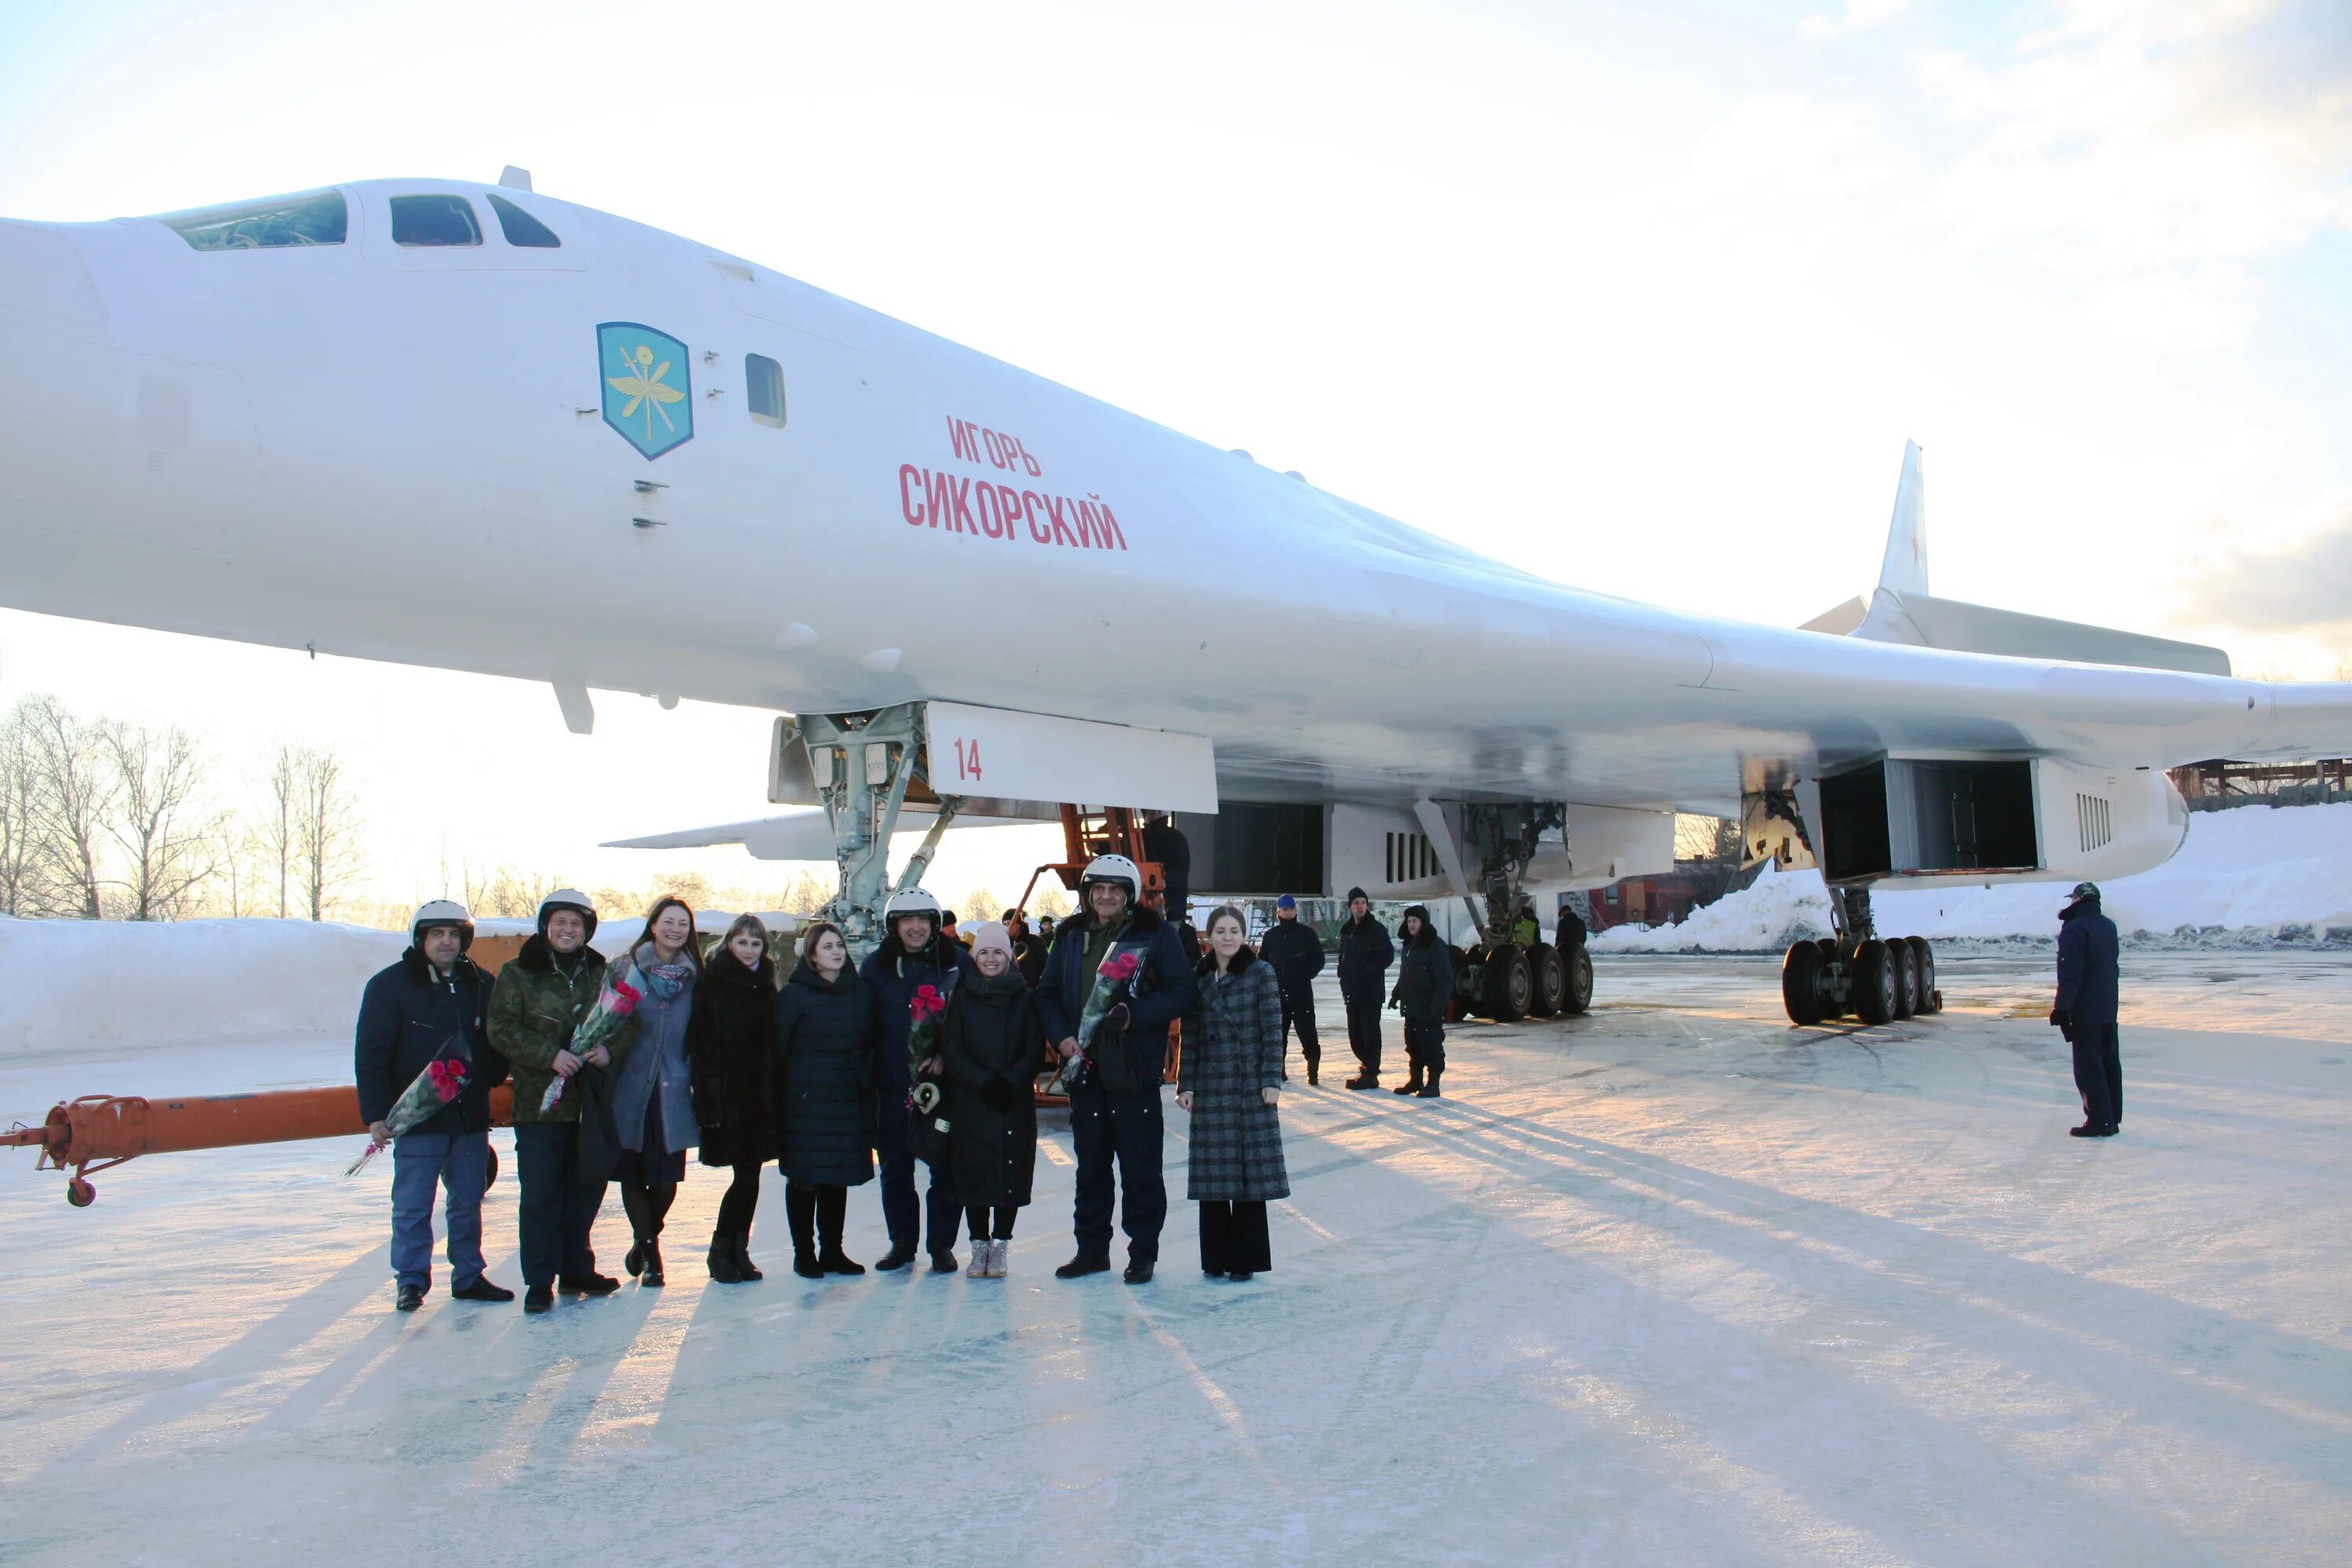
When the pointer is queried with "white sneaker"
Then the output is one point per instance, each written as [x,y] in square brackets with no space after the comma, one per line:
[996,1252]
[979,1270]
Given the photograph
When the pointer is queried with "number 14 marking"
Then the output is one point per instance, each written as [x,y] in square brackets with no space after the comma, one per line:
[967,758]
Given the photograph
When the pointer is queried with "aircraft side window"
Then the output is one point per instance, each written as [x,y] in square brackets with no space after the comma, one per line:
[434,220]
[763,390]
[311,218]
[520,228]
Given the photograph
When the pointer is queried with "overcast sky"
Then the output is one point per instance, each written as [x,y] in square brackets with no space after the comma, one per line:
[1645,297]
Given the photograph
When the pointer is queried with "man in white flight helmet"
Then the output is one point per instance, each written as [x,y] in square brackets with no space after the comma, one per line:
[1115,1110]
[914,954]
[431,1007]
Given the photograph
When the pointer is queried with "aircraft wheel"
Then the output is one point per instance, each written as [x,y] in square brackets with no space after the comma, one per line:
[1578,996]
[1873,984]
[1923,973]
[80,1194]
[1550,991]
[1800,991]
[1507,985]
[1830,1006]
[1907,983]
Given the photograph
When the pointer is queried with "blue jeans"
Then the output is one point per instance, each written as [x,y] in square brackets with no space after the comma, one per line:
[459,1161]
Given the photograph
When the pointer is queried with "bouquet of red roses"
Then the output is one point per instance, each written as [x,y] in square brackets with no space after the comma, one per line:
[926,1010]
[1117,973]
[614,1004]
[440,1082]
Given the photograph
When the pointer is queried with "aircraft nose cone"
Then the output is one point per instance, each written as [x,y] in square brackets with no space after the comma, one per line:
[56,397]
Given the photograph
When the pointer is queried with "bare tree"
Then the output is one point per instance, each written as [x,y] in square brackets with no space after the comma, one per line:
[325,829]
[167,840]
[73,794]
[279,840]
[20,862]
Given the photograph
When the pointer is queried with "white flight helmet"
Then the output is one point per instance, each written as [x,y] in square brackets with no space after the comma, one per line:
[442,912]
[910,901]
[1114,868]
[570,899]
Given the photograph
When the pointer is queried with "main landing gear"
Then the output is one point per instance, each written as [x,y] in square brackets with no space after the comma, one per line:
[1498,976]
[1876,979]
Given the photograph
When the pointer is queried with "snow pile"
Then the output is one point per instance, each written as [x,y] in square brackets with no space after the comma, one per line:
[2254,877]
[79,984]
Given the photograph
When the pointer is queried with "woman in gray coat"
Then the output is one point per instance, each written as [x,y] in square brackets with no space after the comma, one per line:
[1231,1077]
[653,1101]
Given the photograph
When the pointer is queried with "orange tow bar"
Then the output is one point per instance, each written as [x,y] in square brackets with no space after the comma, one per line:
[101,1131]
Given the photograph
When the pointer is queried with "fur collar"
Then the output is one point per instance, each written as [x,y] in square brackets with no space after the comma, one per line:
[1242,958]
[723,968]
[538,957]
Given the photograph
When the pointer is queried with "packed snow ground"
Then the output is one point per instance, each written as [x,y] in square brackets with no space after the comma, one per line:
[2251,877]
[1670,1284]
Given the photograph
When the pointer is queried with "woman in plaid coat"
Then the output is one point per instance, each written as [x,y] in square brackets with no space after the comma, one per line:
[1230,1079]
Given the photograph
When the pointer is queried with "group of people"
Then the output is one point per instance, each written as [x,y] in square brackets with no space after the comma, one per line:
[925,1053]
[1422,993]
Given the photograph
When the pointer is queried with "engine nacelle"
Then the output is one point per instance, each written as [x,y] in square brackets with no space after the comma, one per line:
[1911,819]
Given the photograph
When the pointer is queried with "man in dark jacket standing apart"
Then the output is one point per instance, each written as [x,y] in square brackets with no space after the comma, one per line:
[1423,988]
[543,997]
[2089,996]
[1295,952]
[1115,1112]
[1365,954]
[430,1006]
[915,951]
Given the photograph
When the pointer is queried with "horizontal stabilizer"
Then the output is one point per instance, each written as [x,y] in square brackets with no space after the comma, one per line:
[808,836]
[1927,621]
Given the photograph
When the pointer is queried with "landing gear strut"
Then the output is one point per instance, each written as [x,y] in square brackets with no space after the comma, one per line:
[863,765]
[1876,980]
[1500,978]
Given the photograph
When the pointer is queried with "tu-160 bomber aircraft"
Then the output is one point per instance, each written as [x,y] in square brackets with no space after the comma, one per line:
[283,421]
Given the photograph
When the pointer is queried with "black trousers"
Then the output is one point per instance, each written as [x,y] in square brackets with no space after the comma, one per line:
[1364,1029]
[815,1211]
[557,1209]
[1298,1013]
[2099,1073]
[1126,1129]
[1425,1044]
[975,1219]
[741,1201]
[905,1220]
[1234,1239]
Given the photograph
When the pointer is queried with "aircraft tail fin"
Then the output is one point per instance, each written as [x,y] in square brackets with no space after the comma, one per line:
[1905,570]
[1901,610]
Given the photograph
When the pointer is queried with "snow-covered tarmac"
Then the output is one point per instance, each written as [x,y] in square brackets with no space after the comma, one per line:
[1672,1283]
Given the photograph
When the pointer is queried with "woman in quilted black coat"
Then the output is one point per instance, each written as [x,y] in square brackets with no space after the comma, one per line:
[1230,1079]
[828,1072]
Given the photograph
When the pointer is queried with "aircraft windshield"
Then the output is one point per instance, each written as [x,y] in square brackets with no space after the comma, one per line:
[311,218]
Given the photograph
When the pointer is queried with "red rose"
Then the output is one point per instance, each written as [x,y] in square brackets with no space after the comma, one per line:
[625,997]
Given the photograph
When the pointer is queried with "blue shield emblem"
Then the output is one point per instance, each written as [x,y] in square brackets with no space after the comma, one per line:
[649,391]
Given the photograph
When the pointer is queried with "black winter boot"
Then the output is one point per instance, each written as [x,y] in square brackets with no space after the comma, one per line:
[1314,1073]
[743,1264]
[1084,1263]
[901,1254]
[1365,1080]
[942,1261]
[722,1260]
[538,1298]
[483,1289]
[1429,1089]
[650,1264]
[1412,1084]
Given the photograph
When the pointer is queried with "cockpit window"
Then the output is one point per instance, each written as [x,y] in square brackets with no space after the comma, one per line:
[434,220]
[521,228]
[311,218]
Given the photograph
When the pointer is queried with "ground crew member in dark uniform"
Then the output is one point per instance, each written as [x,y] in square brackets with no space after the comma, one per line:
[1365,954]
[1296,954]
[2089,994]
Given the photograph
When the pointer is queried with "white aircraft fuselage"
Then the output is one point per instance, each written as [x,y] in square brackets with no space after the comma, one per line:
[455,455]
